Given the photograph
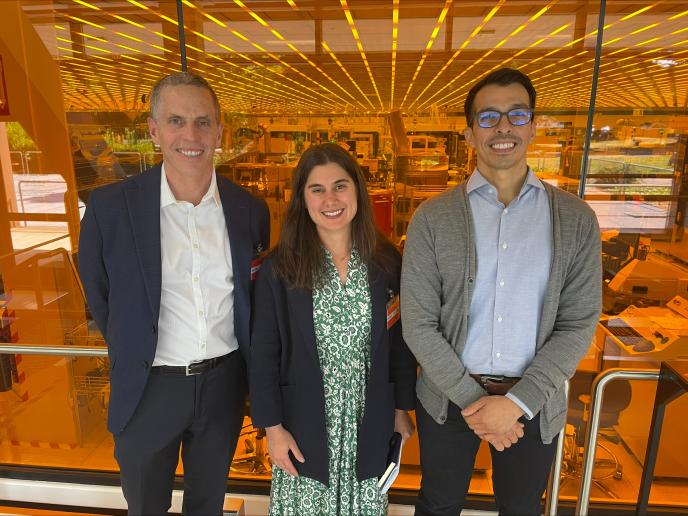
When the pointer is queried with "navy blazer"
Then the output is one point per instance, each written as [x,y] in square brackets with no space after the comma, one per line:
[286,383]
[120,267]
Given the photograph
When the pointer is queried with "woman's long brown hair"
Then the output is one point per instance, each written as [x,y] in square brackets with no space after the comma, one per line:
[299,259]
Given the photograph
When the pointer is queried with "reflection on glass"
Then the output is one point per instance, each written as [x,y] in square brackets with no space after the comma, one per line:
[635,183]
[387,81]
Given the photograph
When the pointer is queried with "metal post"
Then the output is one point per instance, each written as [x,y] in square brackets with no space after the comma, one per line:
[62,351]
[552,498]
[593,425]
[182,36]
[591,106]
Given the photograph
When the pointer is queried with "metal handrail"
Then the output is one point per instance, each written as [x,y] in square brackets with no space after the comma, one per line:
[118,154]
[627,165]
[598,386]
[75,351]
[552,498]
[21,182]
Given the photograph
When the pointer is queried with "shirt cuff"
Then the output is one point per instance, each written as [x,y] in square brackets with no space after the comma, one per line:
[528,413]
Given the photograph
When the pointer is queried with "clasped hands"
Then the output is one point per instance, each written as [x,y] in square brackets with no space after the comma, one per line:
[281,442]
[495,420]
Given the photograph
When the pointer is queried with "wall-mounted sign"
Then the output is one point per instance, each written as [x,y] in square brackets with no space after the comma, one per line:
[4,103]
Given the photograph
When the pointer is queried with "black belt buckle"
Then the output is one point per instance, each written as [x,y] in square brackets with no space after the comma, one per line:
[195,368]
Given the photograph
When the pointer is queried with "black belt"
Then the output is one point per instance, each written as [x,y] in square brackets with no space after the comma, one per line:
[200,367]
[494,383]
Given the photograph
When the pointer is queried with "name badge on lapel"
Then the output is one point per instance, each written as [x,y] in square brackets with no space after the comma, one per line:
[257,262]
[393,311]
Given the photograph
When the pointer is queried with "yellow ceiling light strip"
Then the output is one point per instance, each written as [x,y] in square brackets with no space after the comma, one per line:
[91,36]
[135,24]
[165,36]
[167,18]
[484,56]
[246,97]
[214,20]
[127,20]
[68,49]
[590,34]
[270,90]
[520,52]
[608,78]
[292,4]
[428,46]
[139,5]
[395,38]
[644,87]
[261,65]
[619,74]
[642,43]
[466,42]
[633,33]
[254,94]
[278,89]
[138,40]
[359,45]
[86,4]
[346,72]
[535,44]
[639,11]
[92,47]
[92,70]
[254,15]
[312,92]
[643,29]
[303,56]
[675,16]
[81,20]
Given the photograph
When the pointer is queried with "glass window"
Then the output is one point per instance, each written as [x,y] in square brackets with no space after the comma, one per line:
[387,81]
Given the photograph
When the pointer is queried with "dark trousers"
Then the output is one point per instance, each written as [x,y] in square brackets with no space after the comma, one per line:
[447,455]
[200,414]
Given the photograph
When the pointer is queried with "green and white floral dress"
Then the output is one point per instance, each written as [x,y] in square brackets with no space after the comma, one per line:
[342,319]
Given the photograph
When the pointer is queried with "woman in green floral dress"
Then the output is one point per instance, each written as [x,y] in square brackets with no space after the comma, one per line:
[330,375]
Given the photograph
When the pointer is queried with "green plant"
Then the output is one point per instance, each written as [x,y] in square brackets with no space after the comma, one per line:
[18,138]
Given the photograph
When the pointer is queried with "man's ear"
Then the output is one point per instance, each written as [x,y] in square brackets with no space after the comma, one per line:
[220,133]
[468,133]
[153,130]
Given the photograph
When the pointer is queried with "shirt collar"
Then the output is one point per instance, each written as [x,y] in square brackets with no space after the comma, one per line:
[167,197]
[477,180]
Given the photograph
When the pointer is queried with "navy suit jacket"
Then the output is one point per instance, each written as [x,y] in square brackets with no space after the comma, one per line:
[120,267]
[286,382]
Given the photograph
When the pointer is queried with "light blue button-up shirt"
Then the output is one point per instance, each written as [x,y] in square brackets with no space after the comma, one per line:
[514,253]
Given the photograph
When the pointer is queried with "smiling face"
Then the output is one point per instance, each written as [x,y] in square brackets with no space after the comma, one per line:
[187,130]
[501,148]
[331,200]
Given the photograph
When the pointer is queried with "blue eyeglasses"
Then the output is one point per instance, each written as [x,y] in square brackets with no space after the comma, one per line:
[491,118]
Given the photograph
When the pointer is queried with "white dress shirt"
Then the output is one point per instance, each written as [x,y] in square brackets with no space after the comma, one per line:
[196,319]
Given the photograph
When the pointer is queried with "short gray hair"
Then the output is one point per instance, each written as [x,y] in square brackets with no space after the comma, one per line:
[181,79]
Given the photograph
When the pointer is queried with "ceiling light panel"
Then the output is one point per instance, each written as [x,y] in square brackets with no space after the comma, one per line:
[358,56]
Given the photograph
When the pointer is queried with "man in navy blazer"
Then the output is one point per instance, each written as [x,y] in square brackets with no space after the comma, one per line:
[167,260]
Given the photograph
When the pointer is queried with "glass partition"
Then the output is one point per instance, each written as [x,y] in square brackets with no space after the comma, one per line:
[636,171]
[386,80]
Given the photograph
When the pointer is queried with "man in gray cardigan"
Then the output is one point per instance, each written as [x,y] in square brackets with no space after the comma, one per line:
[500,295]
